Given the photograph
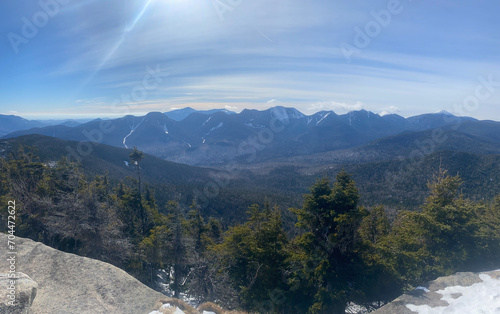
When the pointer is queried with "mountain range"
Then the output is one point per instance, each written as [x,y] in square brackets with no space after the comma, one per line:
[217,137]
[11,123]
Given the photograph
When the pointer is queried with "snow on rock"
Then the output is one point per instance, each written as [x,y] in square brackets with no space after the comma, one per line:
[422,288]
[481,297]
[470,293]
[208,312]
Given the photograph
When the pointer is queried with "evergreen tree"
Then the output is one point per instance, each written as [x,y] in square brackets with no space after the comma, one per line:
[441,239]
[136,156]
[202,279]
[254,254]
[488,235]
[328,248]
[178,253]
[380,283]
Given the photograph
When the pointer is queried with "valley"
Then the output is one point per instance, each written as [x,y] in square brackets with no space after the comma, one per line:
[213,195]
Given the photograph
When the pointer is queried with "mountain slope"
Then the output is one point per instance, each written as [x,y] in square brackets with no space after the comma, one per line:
[220,193]
[479,137]
[9,124]
[216,138]
[398,184]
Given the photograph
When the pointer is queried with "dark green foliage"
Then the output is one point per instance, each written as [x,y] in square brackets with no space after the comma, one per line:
[450,234]
[488,232]
[328,258]
[256,260]
[338,252]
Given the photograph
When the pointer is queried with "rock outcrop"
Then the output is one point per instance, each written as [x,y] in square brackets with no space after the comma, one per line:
[68,283]
[18,292]
[459,293]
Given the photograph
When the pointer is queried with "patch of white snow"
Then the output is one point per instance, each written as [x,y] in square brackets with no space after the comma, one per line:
[133,128]
[206,121]
[249,124]
[215,128]
[324,117]
[422,288]
[178,311]
[279,113]
[481,297]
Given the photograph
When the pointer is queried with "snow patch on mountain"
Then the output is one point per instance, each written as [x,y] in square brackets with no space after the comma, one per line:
[215,128]
[284,115]
[133,128]
[251,125]
[323,118]
[207,121]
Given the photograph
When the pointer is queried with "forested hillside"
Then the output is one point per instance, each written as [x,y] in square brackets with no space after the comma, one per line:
[327,253]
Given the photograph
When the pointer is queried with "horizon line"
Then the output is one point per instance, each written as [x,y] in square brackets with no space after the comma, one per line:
[83,116]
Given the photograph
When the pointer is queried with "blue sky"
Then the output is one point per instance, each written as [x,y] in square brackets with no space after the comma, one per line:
[108,58]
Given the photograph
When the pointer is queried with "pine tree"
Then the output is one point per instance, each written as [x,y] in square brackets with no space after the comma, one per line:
[380,282]
[328,248]
[254,254]
[178,253]
[136,156]
[441,239]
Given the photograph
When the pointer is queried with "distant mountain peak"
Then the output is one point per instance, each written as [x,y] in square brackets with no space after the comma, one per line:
[284,114]
[446,113]
[181,114]
[155,114]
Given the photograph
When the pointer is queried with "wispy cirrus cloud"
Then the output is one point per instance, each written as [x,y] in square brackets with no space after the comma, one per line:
[96,50]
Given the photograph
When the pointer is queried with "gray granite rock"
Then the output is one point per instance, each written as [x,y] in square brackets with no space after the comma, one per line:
[17,292]
[68,283]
